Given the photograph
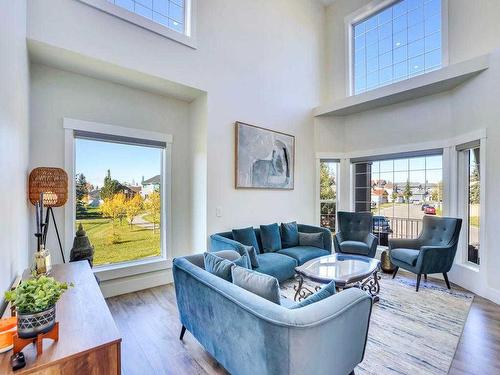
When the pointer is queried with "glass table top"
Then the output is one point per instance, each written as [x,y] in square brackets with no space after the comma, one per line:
[342,268]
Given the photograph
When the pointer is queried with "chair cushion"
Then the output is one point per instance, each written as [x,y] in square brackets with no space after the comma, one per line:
[289,234]
[303,254]
[246,236]
[408,256]
[218,266]
[325,292]
[270,237]
[252,254]
[280,266]
[258,283]
[354,247]
[311,239]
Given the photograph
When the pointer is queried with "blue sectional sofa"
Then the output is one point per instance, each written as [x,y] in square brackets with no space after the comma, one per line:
[250,335]
[281,263]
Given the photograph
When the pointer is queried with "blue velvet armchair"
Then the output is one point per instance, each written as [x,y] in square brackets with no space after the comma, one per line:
[432,252]
[355,234]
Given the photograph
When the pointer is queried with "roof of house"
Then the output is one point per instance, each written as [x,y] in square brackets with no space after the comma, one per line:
[152,181]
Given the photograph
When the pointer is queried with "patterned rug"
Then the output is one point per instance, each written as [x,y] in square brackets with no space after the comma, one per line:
[410,333]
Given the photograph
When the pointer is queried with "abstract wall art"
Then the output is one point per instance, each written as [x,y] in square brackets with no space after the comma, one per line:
[265,159]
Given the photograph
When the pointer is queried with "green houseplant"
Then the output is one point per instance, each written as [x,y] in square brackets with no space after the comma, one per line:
[35,301]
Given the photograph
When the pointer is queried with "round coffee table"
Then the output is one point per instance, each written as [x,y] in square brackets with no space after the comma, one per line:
[345,269]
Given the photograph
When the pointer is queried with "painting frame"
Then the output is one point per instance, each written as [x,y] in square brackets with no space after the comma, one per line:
[239,125]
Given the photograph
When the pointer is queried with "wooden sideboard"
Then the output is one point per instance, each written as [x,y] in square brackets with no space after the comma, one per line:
[89,342]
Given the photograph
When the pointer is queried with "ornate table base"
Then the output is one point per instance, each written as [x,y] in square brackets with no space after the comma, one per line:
[370,285]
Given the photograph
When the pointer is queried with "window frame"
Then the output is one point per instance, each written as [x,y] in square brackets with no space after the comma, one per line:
[128,268]
[368,10]
[187,38]
[463,205]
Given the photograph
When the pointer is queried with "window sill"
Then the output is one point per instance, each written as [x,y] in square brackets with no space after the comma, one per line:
[430,83]
[469,266]
[119,270]
[145,23]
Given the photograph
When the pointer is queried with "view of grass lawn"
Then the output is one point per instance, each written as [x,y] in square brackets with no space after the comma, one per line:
[474,221]
[132,242]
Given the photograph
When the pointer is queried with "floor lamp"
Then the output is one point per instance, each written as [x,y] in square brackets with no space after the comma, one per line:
[49,185]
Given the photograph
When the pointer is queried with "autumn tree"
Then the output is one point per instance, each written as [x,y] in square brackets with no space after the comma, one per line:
[153,206]
[114,208]
[327,183]
[110,187]
[133,207]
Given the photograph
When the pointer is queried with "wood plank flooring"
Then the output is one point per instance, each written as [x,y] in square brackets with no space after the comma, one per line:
[149,324]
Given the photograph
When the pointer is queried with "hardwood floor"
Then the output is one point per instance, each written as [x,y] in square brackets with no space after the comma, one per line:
[149,324]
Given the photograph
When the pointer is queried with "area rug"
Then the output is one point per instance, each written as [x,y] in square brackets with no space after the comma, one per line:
[410,332]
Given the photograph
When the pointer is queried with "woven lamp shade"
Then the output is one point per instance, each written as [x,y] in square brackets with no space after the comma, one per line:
[52,182]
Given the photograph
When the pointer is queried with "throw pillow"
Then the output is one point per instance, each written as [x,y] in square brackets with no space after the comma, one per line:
[218,266]
[246,236]
[327,291]
[270,237]
[258,283]
[311,239]
[243,261]
[252,254]
[289,234]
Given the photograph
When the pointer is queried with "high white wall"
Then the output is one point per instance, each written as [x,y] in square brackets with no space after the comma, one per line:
[260,62]
[14,146]
[56,94]
[473,31]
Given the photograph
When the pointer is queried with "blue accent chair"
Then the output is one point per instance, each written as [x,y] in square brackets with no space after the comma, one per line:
[250,335]
[355,234]
[280,264]
[432,252]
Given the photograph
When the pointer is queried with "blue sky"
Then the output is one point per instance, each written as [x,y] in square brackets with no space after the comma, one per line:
[127,163]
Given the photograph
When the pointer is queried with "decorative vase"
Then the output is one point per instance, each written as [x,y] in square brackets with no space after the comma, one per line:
[385,261]
[29,325]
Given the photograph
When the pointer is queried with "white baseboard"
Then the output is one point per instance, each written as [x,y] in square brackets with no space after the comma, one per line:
[129,284]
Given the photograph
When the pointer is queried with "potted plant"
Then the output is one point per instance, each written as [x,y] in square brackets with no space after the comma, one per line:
[35,302]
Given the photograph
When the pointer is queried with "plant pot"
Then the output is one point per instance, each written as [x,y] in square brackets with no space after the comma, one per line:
[29,325]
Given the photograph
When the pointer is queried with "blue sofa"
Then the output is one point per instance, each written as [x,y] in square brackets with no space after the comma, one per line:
[250,335]
[280,264]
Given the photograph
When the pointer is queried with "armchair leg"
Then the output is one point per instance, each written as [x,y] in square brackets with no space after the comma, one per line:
[425,276]
[352,372]
[418,280]
[446,280]
[395,272]
[183,331]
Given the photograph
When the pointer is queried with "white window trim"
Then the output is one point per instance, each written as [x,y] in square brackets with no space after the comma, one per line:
[317,198]
[187,38]
[365,12]
[122,269]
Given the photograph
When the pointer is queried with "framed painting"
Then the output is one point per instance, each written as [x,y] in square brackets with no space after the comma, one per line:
[265,159]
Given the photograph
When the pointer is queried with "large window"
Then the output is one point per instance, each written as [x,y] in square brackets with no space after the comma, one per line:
[398,42]
[399,192]
[119,196]
[169,13]
[470,165]
[328,193]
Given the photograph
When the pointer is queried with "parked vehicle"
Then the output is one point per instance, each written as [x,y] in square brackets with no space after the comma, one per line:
[430,210]
[424,206]
[381,224]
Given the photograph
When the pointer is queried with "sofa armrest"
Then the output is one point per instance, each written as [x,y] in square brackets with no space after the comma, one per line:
[372,241]
[397,243]
[435,259]
[218,243]
[327,235]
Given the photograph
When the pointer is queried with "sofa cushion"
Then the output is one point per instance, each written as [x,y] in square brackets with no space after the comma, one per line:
[246,236]
[280,266]
[252,254]
[258,283]
[303,254]
[218,266]
[311,239]
[289,234]
[408,256]
[325,292]
[243,261]
[270,237]
[354,247]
